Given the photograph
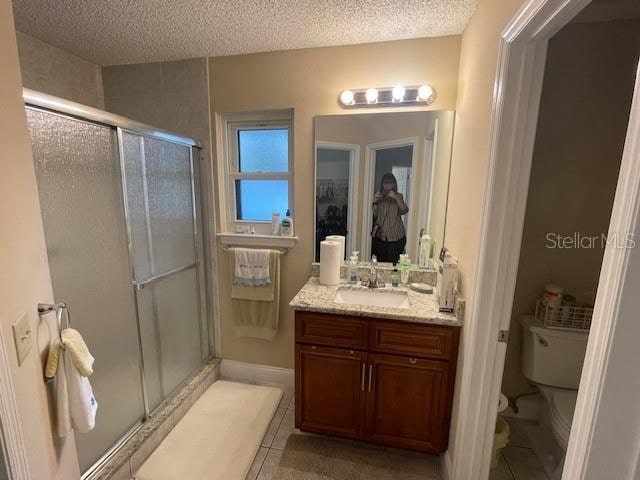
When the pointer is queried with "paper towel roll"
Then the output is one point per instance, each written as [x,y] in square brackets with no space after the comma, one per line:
[330,262]
[340,239]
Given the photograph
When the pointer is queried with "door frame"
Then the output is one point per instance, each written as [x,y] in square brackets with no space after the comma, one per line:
[428,177]
[10,429]
[369,178]
[518,86]
[354,181]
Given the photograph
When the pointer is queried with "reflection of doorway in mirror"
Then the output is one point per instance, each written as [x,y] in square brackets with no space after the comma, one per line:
[399,158]
[336,184]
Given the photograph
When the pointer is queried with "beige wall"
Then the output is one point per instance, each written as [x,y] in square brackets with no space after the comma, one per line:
[478,61]
[24,276]
[48,69]
[309,81]
[575,167]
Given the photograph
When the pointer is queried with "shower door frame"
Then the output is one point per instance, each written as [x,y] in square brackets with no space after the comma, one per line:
[139,285]
[120,125]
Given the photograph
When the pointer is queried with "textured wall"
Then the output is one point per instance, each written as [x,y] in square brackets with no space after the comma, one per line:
[50,70]
[309,81]
[169,95]
[575,166]
[24,276]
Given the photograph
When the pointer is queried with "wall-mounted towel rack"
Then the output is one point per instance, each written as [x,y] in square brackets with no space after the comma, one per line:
[281,251]
[59,308]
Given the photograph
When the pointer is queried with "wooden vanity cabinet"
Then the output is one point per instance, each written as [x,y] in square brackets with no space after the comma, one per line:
[382,381]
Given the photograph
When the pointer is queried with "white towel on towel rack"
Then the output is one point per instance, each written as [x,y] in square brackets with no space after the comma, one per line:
[76,404]
[62,398]
[251,266]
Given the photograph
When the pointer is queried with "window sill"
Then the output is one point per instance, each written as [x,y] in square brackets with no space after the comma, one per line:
[247,240]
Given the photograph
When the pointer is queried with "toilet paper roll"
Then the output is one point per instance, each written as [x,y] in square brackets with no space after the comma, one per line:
[503,403]
[330,262]
[340,239]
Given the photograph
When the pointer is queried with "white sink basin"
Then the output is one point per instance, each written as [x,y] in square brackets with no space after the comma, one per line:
[373,297]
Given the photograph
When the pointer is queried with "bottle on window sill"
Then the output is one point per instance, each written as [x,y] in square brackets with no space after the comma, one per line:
[286,225]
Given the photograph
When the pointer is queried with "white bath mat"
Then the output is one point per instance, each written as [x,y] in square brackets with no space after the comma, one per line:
[218,437]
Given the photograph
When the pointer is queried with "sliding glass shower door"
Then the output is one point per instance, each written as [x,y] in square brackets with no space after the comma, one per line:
[78,177]
[160,199]
[123,238]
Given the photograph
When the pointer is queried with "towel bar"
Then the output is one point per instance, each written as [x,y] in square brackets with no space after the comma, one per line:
[279,250]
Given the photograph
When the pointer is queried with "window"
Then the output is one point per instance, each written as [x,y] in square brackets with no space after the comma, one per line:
[259,160]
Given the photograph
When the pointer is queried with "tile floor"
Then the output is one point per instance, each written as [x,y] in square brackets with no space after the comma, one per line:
[518,460]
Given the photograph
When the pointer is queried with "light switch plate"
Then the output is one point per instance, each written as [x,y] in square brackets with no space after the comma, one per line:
[23,337]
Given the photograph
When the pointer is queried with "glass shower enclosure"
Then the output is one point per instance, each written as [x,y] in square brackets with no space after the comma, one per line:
[122,221]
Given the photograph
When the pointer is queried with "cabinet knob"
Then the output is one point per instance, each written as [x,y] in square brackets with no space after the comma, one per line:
[413,361]
[313,347]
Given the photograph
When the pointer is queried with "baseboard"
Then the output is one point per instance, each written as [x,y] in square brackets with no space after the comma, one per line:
[446,465]
[253,372]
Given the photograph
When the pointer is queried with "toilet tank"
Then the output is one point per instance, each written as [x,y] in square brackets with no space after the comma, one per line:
[550,356]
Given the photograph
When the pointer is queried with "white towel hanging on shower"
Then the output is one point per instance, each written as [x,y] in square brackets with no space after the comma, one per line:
[76,404]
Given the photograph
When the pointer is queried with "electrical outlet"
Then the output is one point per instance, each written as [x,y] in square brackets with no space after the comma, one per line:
[23,337]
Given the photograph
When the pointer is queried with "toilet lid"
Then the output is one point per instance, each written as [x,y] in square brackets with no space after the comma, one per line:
[564,404]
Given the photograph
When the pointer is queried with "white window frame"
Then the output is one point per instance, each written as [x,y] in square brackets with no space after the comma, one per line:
[254,121]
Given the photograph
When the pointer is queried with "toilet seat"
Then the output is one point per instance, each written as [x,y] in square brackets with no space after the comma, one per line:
[562,406]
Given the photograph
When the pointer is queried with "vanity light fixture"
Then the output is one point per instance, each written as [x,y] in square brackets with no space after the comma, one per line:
[425,92]
[371,95]
[398,96]
[398,93]
[346,97]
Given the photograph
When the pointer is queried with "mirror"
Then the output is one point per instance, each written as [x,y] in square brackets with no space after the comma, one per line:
[382,181]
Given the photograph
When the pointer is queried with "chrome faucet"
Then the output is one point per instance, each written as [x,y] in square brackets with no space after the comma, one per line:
[373,273]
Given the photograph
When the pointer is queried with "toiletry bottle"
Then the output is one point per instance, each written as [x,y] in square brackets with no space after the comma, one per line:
[275,223]
[352,271]
[405,268]
[286,225]
[353,278]
[395,277]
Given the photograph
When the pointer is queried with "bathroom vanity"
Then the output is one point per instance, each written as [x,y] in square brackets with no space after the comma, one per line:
[382,374]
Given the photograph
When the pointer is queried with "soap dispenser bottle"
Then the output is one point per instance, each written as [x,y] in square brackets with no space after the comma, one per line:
[352,271]
[286,225]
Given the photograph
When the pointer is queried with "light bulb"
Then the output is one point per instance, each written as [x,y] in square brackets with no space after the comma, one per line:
[397,93]
[346,97]
[372,95]
[424,93]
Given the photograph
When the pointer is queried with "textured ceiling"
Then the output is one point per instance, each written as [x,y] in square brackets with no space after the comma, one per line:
[110,32]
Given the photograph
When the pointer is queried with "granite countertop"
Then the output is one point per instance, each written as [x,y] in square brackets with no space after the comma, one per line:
[315,297]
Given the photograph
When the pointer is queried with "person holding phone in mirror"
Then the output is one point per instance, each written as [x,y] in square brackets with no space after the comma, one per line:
[388,233]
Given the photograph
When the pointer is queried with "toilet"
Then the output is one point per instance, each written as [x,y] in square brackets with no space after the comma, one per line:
[552,359]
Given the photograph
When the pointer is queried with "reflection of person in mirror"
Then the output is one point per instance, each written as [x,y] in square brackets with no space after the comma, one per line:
[388,233]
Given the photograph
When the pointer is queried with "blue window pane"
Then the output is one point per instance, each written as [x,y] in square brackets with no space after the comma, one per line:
[258,199]
[263,150]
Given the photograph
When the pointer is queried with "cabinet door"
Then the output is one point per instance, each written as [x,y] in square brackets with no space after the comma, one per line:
[330,385]
[406,402]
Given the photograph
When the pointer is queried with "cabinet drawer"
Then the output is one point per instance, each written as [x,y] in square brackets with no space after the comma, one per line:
[331,330]
[427,341]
